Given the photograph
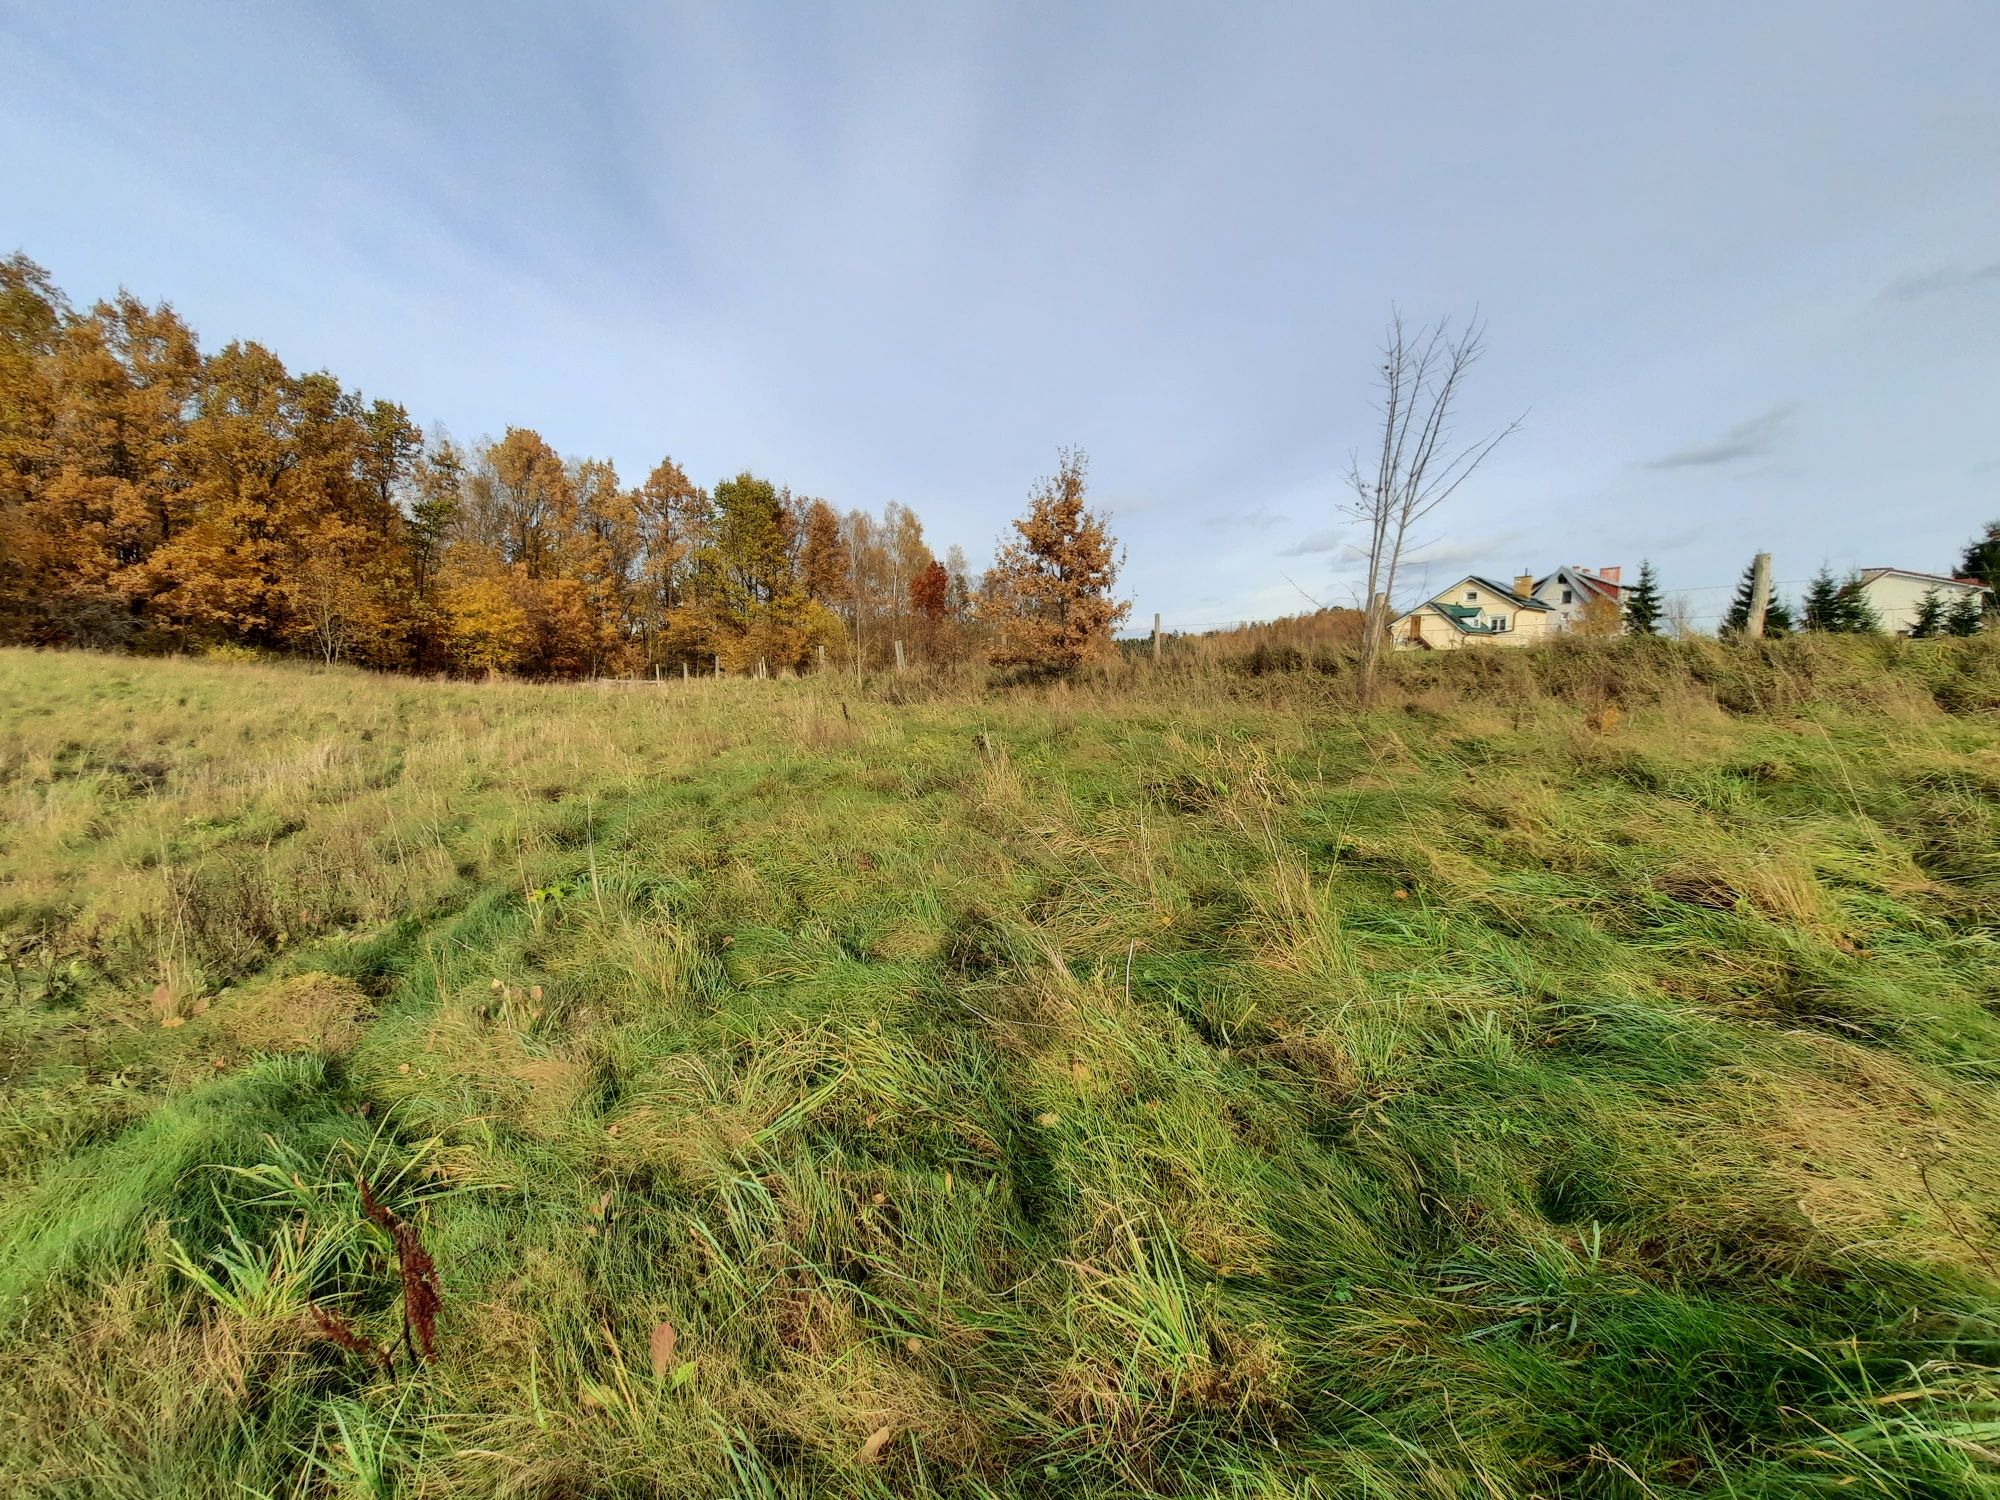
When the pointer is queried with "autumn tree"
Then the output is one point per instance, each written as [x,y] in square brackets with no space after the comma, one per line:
[932,613]
[825,570]
[433,503]
[33,312]
[1600,618]
[1049,592]
[604,558]
[676,525]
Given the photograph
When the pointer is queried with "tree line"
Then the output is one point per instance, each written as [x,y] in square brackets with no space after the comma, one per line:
[156,498]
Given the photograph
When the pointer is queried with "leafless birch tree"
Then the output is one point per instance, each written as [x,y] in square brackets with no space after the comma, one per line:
[1419,463]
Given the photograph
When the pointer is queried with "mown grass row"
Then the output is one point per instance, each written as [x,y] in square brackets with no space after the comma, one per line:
[1574,1077]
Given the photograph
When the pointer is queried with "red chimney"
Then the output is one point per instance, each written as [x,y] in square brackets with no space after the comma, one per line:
[1610,575]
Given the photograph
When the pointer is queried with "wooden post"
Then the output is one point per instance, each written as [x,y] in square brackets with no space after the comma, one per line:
[762,670]
[1156,639]
[822,656]
[1760,597]
[718,668]
[685,674]
[899,656]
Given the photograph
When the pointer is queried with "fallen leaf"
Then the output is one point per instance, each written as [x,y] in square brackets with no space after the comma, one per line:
[664,1339]
[170,1022]
[872,1449]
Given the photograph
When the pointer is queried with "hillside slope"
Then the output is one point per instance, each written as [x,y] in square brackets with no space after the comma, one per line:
[1576,1077]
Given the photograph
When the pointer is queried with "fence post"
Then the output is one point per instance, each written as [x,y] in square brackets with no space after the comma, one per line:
[822,656]
[1760,596]
[1156,639]
[718,667]
[685,674]
[899,656]
[762,671]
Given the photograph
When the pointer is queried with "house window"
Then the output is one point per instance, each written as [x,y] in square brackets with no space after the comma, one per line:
[1472,596]
[1499,622]
[1569,596]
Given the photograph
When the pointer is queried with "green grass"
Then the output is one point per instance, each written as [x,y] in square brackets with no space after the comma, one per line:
[1576,1076]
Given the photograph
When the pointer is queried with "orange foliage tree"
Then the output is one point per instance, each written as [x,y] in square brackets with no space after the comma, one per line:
[1049,593]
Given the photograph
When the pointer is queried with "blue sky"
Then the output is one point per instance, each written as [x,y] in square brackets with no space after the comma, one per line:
[1740,264]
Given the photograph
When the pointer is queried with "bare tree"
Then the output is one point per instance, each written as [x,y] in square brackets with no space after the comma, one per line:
[1419,463]
[1678,617]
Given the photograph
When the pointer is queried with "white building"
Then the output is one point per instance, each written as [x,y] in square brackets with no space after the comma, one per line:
[1570,594]
[1895,594]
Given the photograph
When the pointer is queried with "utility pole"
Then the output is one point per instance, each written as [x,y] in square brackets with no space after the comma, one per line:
[1156,638]
[1760,596]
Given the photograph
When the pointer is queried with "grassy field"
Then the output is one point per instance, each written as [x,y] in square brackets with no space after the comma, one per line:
[1576,1076]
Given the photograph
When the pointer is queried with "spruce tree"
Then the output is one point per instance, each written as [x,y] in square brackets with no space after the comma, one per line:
[1855,615]
[1982,558]
[1930,617]
[1642,606]
[1964,616]
[1777,614]
[1821,607]
[1738,618]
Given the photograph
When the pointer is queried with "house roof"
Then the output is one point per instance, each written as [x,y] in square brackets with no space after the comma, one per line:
[1522,601]
[1461,614]
[1458,616]
[1585,583]
[1869,575]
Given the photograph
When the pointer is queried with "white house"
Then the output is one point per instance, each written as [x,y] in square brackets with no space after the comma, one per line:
[1895,594]
[1571,593]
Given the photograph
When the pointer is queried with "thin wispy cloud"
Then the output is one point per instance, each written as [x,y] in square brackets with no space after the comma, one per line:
[1477,552]
[1945,281]
[1258,518]
[1751,439]
[1314,544]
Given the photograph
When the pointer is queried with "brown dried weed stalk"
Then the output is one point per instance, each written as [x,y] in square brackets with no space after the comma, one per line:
[421,1297]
